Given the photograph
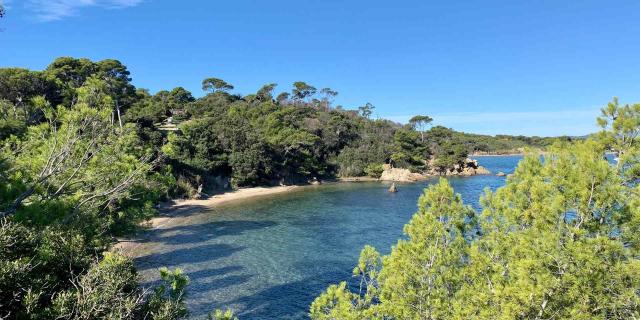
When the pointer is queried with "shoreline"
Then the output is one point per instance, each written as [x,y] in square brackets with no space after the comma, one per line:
[170,210]
[356,179]
[497,154]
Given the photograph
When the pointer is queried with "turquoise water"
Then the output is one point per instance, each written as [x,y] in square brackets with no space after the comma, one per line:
[269,257]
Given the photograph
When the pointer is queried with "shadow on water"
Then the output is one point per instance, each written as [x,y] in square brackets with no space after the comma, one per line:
[201,253]
[270,259]
[289,300]
[194,245]
[197,233]
[203,282]
[188,244]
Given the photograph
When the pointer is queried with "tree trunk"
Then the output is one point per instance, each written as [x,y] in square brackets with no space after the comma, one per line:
[118,111]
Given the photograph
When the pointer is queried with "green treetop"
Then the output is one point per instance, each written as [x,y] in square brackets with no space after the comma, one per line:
[215,84]
[560,240]
[419,122]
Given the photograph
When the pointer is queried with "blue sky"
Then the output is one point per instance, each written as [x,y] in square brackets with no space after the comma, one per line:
[514,67]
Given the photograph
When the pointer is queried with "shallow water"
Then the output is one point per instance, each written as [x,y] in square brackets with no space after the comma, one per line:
[269,257]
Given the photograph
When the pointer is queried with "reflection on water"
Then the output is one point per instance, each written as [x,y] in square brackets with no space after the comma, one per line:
[269,257]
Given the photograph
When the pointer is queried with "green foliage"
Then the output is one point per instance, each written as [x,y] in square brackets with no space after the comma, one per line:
[198,146]
[167,301]
[37,263]
[620,134]
[446,146]
[559,240]
[410,152]
[214,84]
[109,290]
[374,170]
[223,139]
[51,272]
[301,90]
[373,145]
[266,92]
[71,73]
[222,315]
[366,110]
[72,176]
[419,122]
[79,161]
[505,144]
[85,156]
[159,107]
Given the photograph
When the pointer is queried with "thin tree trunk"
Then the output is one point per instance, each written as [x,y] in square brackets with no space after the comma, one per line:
[118,111]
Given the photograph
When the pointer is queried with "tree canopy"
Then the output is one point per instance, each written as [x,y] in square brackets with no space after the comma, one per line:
[215,84]
[85,156]
[559,240]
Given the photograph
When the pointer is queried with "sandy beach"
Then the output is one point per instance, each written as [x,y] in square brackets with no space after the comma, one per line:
[357,179]
[179,208]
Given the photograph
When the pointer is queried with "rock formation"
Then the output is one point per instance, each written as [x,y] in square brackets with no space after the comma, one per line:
[397,174]
[469,167]
[393,188]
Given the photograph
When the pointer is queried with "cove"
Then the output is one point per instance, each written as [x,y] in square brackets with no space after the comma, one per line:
[269,257]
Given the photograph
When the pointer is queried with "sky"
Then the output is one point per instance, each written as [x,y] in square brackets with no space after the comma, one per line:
[492,67]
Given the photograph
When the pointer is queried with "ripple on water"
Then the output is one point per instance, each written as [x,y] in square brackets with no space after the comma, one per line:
[269,257]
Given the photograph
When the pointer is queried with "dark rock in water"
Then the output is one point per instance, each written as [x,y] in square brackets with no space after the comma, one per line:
[501,174]
[393,188]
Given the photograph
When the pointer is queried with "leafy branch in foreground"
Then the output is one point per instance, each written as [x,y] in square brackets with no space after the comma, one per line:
[560,240]
[78,156]
[67,186]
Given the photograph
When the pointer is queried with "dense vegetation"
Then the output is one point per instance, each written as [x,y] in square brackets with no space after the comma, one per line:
[225,139]
[72,177]
[560,241]
[85,156]
[501,144]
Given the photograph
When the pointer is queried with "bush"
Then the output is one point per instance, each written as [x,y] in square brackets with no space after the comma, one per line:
[374,170]
[36,264]
[109,290]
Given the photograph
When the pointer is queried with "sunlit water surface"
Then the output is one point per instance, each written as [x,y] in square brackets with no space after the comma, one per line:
[269,257]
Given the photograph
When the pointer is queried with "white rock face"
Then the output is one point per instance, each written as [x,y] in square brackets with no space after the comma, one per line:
[402,175]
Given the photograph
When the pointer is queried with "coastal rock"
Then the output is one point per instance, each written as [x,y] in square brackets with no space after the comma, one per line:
[482,170]
[501,174]
[469,167]
[393,188]
[403,175]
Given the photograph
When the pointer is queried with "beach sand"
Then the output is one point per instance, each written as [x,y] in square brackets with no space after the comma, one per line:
[180,208]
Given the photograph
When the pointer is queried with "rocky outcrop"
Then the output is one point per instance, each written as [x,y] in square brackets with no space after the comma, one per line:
[501,174]
[469,167]
[397,174]
[393,188]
